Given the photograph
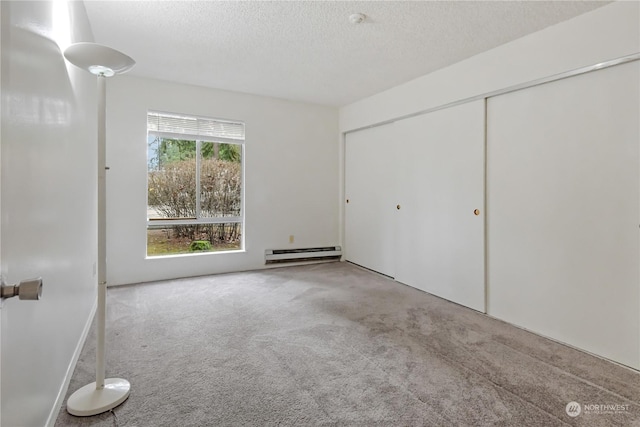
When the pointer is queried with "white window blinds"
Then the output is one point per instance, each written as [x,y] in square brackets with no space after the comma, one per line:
[179,126]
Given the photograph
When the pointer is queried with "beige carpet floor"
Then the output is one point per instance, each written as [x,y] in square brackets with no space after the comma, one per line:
[335,345]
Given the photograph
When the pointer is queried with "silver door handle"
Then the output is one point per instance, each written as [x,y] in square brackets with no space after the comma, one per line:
[30,289]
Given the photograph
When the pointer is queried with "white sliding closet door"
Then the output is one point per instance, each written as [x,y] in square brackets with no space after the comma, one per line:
[370,174]
[563,210]
[440,242]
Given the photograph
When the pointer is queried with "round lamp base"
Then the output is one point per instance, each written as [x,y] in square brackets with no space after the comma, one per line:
[88,401]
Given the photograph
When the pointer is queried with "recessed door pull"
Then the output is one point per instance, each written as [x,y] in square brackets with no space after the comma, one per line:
[30,289]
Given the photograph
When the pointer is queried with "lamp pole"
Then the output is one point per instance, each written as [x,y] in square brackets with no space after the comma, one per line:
[102,229]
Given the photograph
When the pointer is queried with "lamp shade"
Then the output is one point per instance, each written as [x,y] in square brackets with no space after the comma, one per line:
[98,59]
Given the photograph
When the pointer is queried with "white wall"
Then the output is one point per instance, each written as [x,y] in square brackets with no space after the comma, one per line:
[606,33]
[48,146]
[291,176]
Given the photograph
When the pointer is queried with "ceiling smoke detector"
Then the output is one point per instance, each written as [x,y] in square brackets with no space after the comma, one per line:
[357,18]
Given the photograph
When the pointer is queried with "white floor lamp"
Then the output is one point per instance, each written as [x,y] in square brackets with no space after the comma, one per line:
[103,394]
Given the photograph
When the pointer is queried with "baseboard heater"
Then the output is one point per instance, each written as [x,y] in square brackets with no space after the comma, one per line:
[279,256]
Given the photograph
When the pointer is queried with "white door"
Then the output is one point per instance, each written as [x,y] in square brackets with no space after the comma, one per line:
[48,172]
[563,210]
[440,240]
[370,173]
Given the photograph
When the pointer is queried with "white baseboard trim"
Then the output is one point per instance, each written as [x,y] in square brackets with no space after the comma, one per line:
[53,415]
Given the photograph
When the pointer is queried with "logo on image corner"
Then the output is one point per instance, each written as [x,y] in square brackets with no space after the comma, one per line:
[573,409]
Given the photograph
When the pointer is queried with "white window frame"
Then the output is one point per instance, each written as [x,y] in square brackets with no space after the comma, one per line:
[199,139]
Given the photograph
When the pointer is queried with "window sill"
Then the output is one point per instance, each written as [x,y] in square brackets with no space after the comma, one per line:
[195,254]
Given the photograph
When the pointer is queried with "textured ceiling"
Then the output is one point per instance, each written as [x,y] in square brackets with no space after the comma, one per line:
[308,50]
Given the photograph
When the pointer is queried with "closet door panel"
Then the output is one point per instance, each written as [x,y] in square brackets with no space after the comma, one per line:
[563,211]
[440,241]
[369,188]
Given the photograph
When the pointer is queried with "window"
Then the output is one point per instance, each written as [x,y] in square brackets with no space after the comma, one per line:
[194,191]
